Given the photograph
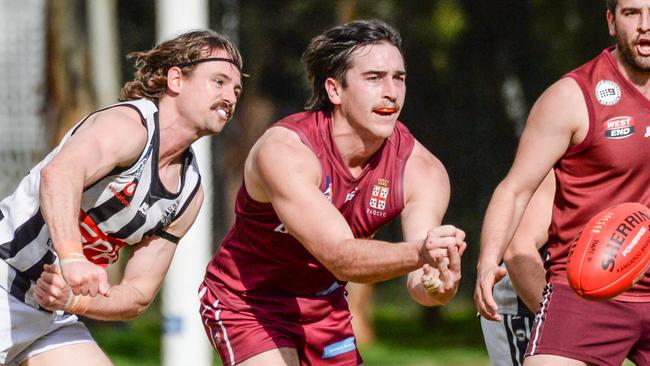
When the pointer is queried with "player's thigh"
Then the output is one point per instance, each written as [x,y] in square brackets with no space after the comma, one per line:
[283,356]
[86,353]
[545,360]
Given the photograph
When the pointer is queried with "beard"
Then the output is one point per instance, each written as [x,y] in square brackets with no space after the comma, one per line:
[625,46]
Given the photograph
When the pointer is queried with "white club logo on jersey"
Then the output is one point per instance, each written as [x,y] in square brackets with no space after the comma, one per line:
[379,195]
[350,195]
[647,132]
[608,92]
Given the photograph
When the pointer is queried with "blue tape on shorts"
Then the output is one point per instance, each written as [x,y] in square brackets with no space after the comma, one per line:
[340,347]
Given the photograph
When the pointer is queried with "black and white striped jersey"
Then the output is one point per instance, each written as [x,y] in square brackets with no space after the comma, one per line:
[120,209]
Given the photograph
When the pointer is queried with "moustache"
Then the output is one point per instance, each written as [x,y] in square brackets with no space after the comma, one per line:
[227,107]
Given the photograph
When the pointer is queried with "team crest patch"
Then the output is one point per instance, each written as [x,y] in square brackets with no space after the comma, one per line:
[619,127]
[608,92]
[379,194]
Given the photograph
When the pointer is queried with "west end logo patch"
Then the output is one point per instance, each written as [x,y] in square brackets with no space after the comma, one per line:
[379,195]
[619,127]
[608,92]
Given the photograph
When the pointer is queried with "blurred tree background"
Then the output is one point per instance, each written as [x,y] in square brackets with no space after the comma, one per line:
[475,67]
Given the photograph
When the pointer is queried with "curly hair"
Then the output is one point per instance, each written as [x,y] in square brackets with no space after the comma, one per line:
[150,80]
[329,55]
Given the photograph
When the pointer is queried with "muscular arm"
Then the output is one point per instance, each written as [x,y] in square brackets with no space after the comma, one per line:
[424,207]
[143,276]
[558,120]
[522,258]
[282,170]
[108,139]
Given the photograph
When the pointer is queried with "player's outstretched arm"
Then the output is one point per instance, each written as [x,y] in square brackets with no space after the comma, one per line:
[424,207]
[558,120]
[282,170]
[108,139]
[143,276]
[522,258]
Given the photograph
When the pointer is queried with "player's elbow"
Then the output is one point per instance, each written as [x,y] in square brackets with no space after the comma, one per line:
[342,263]
[136,309]
[520,253]
[140,301]
[48,176]
[346,273]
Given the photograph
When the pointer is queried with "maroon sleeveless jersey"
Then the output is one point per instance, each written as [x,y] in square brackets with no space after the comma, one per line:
[609,167]
[258,256]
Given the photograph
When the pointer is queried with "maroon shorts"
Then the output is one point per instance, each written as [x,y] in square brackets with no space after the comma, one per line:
[318,327]
[602,333]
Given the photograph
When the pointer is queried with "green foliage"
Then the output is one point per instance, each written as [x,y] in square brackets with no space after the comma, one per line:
[130,343]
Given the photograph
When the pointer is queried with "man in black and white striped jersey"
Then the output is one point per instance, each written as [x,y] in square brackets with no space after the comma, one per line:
[124,175]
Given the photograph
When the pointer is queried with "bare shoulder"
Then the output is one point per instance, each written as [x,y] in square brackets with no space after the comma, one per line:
[119,127]
[119,131]
[425,173]
[422,164]
[562,103]
[280,145]
[121,118]
[111,138]
[279,159]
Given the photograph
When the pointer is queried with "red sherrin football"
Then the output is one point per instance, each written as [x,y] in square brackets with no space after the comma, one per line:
[611,253]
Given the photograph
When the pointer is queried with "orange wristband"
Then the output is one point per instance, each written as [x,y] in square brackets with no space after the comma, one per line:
[72,257]
[77,304]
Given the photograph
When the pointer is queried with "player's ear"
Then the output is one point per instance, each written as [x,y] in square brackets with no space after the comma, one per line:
[333,89]
[611,19]
[174,78]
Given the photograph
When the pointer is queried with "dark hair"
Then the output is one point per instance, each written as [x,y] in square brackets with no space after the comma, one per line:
[329,55]
[150,79]
[611,6]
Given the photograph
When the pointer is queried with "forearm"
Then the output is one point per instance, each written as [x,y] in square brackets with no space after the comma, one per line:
[368,261]
[125,302]
[60,194]
[528,277]
[501,219]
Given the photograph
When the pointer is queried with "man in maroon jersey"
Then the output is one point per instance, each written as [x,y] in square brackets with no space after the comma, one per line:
[317,186]
[592,127]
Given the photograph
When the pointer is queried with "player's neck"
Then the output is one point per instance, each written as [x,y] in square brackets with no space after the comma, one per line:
[175,135]
[639,79]
[355,145]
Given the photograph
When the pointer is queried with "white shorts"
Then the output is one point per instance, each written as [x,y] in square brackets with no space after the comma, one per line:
[26,331]
[506,341]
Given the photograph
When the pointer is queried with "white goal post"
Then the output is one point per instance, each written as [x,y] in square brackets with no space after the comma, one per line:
[184,340]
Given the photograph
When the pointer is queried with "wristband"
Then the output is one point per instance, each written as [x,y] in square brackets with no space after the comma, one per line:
[77,304]
[70,249]
[72,257]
